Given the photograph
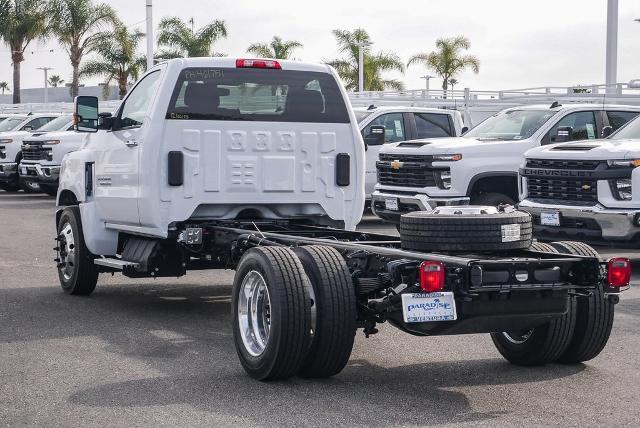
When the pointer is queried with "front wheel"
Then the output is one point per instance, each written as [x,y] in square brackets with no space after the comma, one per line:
[76,270]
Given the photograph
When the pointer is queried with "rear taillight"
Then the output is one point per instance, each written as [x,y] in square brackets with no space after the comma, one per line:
[431,276]
[257,63]
[619,273]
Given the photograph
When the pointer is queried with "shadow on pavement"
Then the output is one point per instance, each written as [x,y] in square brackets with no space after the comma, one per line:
[184,333]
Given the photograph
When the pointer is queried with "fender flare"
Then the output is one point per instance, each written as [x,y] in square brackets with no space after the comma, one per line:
[491,174]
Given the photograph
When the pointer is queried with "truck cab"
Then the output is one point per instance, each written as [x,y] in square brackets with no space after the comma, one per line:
[12,131]
[217,138]
[481,167]
[588,191]
[401,124]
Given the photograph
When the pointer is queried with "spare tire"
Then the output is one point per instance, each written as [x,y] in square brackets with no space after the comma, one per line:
[469,229]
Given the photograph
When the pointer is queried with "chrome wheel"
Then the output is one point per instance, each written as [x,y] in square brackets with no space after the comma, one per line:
[254,313]
[517,337]
[66,251]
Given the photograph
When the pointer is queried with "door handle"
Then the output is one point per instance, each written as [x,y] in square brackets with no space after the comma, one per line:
[131,143]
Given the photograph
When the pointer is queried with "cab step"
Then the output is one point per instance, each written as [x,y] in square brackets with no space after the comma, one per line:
[115,263]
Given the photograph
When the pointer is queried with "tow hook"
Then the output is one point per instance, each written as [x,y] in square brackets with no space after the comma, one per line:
[614,299]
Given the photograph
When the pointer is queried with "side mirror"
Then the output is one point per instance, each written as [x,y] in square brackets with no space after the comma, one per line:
[464,130]
[606,131]
[86,114]
[564,134]
[375,137]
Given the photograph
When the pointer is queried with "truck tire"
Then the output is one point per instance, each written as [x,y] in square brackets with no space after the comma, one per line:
[594,314]
[271,309]
[29,186]
[76,270]
[9,187]
[542,247]
[492,199]
[539,345]
[335,317]
[425,231]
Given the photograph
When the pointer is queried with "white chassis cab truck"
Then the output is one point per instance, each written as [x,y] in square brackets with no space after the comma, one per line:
[482,166]
[586,191]
[257,165]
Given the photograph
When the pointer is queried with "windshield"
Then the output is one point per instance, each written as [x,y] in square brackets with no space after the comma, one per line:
[58,124]
[361,115]
[511,125]
[630,130]
[10,124]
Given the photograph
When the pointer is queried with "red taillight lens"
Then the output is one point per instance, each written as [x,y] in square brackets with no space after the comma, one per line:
[431,276]
[257,63]
[619,273]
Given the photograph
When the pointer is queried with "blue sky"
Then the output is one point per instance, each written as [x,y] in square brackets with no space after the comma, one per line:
[519,43]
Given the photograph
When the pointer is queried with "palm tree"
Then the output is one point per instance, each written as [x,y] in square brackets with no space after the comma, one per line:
[276,49]
[374,64]
[55,81]
[118,58]
[21,22]
[184,41]
[76,24]
[453,81]
[4,86]
[447,60]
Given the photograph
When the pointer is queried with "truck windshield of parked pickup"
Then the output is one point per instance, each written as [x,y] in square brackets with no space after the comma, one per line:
[630,131]
[56,124]
[362,115]
[10,124]
[510,125]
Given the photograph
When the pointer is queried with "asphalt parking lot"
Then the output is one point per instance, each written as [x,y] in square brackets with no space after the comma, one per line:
[160,352]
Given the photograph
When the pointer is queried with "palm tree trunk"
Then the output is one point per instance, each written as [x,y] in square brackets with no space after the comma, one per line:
[445,84]
[16,82]
[122,85]
[75,82]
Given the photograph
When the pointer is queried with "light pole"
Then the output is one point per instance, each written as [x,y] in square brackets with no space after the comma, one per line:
[426,78]
[361,49]
[46,82]
[611,75]
[149,34]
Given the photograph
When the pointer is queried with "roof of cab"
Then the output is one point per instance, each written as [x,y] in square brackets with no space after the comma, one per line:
[402,109]
[569,106]
[230,62]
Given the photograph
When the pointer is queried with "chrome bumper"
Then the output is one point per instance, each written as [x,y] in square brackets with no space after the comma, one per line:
[8,171]
[612,223]
[409,203]
[43,174]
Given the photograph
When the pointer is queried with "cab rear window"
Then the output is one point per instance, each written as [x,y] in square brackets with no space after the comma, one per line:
[257,95]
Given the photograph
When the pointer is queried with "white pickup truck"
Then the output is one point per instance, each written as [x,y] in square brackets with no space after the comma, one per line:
[401,124]
[258,165]
[587,191]
[482,166]
[12,131]
[43,151]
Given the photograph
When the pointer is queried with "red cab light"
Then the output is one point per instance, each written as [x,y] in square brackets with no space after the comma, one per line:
[431,276]
[619,272]
[258,63]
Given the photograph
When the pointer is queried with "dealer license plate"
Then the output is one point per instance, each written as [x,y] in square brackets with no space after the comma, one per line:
[550,218]
[427,307]
[391,204]
[23,170]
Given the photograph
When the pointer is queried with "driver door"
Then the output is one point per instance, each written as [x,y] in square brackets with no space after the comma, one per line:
[117,167]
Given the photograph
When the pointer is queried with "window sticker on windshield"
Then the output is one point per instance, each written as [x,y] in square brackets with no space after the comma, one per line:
[517,137]
[591,132]
[203,74]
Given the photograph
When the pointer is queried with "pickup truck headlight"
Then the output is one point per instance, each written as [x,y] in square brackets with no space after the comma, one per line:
[6,141]
[621,189]
[624,163]
[51,143]
[447,158]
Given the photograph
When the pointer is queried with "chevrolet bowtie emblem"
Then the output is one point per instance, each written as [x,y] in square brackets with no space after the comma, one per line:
[396,164]
[586,187]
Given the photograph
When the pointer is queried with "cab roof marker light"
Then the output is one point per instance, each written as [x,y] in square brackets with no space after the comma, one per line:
[258,63]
